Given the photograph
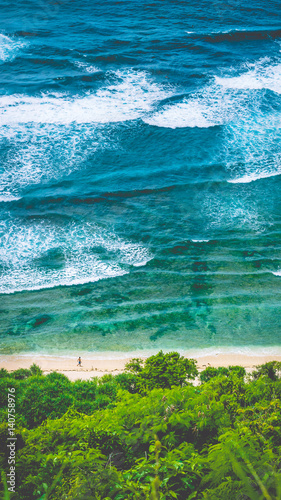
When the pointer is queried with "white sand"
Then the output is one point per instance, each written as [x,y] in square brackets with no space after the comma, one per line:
[93,367]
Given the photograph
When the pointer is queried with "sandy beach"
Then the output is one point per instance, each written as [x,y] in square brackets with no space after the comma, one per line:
[93,367]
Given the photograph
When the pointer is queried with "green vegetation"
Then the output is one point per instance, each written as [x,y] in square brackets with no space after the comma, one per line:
[162,371]
[146,434]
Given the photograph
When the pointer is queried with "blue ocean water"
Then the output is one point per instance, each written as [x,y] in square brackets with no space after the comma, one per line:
[140,176]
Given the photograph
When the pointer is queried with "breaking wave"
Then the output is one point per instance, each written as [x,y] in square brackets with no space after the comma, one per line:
[46,255]
[9,47]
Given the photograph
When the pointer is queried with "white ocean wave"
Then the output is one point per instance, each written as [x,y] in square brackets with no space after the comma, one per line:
[251,177]
[44,255]
[132,94]
[50,136]
[189,113]
[38,153]
[10,47]
[262,74]
[224,100]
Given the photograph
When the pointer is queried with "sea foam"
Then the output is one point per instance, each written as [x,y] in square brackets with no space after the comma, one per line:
[44,255]
[189,113]
[127,97]
[224,99]
[253,177]
[262,74]
[86,67]
[40,153]
[51,135]
[9,47]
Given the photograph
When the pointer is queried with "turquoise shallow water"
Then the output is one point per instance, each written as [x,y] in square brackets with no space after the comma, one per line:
[140,176]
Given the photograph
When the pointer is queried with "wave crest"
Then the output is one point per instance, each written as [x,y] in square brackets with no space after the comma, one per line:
[9,47]
[131,94]
[44,255]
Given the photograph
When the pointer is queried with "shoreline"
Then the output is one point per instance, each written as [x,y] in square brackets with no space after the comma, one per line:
[97,367]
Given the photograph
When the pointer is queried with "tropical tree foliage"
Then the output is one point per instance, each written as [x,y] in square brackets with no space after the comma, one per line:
[146,434]
[162,370]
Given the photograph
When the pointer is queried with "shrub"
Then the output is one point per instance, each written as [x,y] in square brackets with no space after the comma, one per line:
[238,370]
[4,373]
[163,370]
[211,372]
[270,370]
[127,381]
[36,370]
[21,374]
[208,373]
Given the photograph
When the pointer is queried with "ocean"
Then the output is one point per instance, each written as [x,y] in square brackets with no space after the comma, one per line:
[140,176]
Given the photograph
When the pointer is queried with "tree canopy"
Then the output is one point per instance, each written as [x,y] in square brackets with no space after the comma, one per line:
[145,434]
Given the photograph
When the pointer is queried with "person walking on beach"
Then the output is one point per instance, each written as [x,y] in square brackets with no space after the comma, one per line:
[79,362]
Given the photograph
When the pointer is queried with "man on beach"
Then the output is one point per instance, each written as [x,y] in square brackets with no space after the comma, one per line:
[79,362]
